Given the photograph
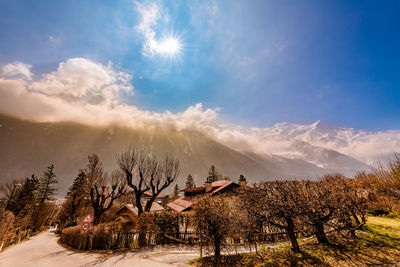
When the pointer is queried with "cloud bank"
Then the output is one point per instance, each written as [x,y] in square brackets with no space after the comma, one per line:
[87,92]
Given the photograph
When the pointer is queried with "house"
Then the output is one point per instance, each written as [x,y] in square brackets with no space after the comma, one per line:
[185,202]
[129,212]
[162,200]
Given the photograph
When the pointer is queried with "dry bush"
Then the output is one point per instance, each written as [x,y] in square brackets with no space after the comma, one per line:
[273,204]
[214,221]
[167,222]
[382,184]
[101,236]
[6,225]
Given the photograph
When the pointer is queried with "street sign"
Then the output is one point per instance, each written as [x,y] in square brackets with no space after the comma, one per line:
[85,226]
[88,219]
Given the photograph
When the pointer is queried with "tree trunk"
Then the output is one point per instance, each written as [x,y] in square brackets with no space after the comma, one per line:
[217,248]
[320,233]
[292,235]
[139,204]
[142,238]
[97,217]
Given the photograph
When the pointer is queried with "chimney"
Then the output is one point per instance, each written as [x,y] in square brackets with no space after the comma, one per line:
[208,186]
[242,180]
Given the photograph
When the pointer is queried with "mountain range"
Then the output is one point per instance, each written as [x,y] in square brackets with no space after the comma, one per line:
[282,151]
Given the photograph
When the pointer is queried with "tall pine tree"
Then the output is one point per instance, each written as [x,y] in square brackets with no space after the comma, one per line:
[45,193]
[77,194]
[27,196]
[213,174]
[47,190]
[190,182]
[176,191]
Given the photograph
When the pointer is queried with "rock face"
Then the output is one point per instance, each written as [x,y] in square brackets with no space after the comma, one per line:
[28,147]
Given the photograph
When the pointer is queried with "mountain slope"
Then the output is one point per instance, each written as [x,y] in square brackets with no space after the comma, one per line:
[28,147]
[366,146]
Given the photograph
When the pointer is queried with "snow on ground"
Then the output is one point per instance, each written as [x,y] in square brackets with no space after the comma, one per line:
[44,251]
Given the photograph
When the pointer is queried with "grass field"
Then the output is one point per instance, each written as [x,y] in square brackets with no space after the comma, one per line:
[377,245]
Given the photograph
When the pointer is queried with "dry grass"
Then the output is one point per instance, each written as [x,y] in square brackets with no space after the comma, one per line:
[378,245]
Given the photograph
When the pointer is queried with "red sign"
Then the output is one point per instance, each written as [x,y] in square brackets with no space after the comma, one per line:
[85,226]
[88,219]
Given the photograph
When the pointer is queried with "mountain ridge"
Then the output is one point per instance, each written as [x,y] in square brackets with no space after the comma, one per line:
[28,147]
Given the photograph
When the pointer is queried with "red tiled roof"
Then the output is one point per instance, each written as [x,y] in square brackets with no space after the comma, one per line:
[216,186]
[180,204]
[220,185]
[185,202]
[133,209]
[195,189]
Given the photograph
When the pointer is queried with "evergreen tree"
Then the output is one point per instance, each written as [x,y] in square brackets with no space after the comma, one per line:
[176,190]
[27,196]
[76,196]
[190,182]
[79,186]
[46,189]
[213,174]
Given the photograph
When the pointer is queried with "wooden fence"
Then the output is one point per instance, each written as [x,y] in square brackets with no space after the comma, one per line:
[128,238]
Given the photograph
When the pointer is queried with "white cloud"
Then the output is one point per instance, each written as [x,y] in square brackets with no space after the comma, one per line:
[17,70]
[82,78]
[87,92]
[150,14]
[68,93]
[54,39]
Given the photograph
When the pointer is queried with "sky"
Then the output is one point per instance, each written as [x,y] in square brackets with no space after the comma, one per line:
[250,63]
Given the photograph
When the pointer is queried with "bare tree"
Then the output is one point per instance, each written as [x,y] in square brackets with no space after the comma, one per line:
[146,173]
[129,161]
[8,192]
[103,191]
[279,201]
[350,202]
[102,196]
[394,170]
[161,177]
[213,219]
[252,214]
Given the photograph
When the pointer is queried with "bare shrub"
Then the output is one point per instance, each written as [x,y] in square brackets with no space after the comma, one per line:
[214,221]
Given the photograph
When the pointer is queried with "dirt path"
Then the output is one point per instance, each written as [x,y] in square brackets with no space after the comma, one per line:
[43,250]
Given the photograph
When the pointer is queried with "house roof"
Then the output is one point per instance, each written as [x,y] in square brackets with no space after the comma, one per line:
[186,201]
[132,208]
[216,187]
[180,204]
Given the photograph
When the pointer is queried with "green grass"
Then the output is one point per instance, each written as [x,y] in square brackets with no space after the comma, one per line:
[378,244]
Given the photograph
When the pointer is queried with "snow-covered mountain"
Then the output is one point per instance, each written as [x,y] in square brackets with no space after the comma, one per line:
[367,146]
[27,147]
[284,150]
[332,148]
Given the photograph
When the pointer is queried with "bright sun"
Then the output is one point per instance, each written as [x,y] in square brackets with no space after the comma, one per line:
[171,46]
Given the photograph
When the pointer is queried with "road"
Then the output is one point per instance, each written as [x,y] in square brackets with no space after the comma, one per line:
[43,250]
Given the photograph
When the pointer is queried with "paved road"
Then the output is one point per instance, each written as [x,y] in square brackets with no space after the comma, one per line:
[43,250]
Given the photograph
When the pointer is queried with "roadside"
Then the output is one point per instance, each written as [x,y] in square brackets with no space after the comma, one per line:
[378,245]
[43,250]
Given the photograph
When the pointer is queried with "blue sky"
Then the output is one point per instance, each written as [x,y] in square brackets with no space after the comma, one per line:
[259,62]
